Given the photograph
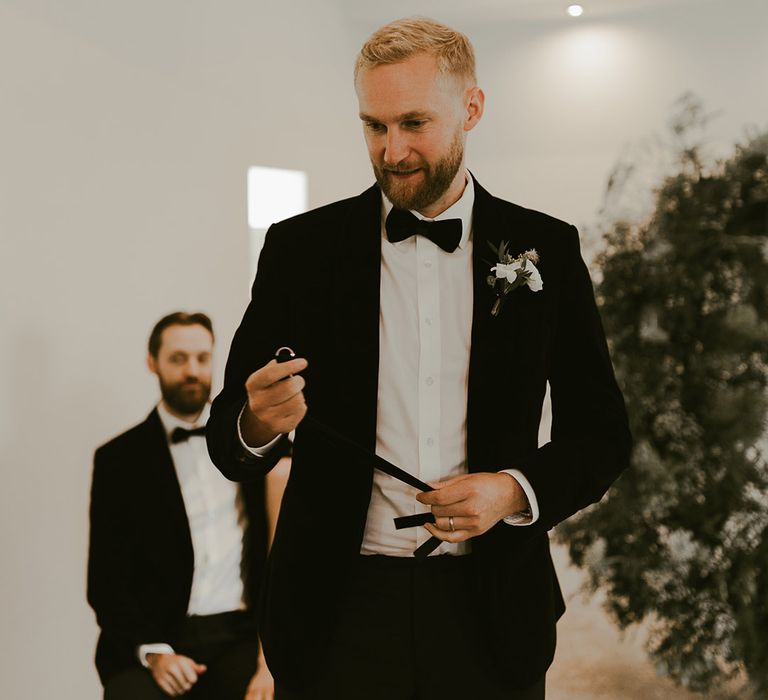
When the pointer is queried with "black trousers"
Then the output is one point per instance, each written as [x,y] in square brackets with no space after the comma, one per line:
[407,631]
[226,643]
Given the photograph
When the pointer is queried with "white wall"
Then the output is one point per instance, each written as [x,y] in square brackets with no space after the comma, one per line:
[568,96]
[564,96]
[126,129]
[125,133]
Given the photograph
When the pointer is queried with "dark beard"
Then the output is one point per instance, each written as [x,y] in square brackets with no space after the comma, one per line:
[437,180]
[182,399]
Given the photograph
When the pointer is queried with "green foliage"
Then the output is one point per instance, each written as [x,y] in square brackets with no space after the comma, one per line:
[681,539]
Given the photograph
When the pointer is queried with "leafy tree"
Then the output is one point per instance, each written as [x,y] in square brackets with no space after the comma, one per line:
[681,540]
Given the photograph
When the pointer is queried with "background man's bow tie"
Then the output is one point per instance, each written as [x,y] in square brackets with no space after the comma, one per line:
[402,224]
[182,434]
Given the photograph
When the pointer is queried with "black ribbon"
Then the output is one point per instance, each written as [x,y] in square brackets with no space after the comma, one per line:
[285,354]
[395,472]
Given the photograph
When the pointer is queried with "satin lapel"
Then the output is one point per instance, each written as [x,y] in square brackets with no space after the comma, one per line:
[493,348]
[356,317]
[165,491]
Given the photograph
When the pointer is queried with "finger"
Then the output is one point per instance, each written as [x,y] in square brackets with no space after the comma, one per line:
[187,669]
[169,681]
[176,673]
[167,687]
[459,523]
[448,495]
[200,668]
[282,418]
[448,536]
[276,411]
[275,394]
[448,482]
[286,417]
[274,372]
[464,509]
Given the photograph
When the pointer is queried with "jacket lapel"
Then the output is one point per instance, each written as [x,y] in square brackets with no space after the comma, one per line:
[494,344]
[356,289]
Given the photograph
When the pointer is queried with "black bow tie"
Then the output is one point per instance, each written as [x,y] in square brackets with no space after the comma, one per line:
[182,434]
[402,224]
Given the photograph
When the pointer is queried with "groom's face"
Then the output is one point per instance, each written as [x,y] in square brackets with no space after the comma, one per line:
[415,121]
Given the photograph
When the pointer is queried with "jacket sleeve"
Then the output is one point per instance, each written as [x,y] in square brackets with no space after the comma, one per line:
[590,440]
[118,612]
[257,338]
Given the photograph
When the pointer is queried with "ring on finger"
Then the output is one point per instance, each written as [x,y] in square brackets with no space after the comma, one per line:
[450,523]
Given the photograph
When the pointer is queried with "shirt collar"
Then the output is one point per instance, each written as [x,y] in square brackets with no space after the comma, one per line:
[460,209]
[171,422]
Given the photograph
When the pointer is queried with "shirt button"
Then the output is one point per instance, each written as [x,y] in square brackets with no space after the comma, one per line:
[430,442]
[428,321]
[428,263]
[430,381]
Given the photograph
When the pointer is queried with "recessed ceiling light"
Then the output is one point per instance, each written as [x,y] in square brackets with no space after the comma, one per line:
[575,10]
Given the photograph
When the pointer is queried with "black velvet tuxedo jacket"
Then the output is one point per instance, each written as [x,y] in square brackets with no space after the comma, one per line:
[141,559]
[317,291]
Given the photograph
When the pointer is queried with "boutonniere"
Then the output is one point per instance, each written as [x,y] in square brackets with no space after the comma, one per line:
[511,272]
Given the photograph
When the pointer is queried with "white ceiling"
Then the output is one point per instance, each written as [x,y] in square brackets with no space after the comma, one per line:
[472,11]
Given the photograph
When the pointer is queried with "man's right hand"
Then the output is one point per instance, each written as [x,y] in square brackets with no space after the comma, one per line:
[275,401]
[174,673]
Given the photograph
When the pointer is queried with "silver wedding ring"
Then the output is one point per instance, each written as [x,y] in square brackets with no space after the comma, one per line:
[450,523]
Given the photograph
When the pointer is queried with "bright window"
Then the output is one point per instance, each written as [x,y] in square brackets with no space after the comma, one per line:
[274,194]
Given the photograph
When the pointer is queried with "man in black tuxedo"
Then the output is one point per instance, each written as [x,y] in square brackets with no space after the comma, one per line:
[176,551]
[433,350]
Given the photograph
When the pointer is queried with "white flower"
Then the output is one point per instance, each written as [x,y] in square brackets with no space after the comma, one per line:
[510,272]
[515,272]
[534,281]
[507,272]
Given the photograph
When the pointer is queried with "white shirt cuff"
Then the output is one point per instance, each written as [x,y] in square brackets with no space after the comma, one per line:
[529,494]
[255,451]
[145,649]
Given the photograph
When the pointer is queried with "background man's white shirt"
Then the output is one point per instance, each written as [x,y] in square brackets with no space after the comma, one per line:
[217,522]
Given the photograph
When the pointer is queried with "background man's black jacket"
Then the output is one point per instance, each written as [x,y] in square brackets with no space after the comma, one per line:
[317,291]
[141,559]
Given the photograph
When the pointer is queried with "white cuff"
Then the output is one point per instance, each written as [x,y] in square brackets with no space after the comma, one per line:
[518,476]
[255,451]
[145,649]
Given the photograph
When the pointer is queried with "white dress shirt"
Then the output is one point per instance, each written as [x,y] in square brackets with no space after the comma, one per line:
[217,522]
[425,327]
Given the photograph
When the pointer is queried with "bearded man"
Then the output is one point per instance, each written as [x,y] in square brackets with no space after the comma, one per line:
[176,551]
[432,320]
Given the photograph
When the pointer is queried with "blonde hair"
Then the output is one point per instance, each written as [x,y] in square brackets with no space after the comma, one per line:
[400,40]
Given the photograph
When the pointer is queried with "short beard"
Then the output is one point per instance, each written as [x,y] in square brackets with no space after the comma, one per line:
[437,180]
[182,400]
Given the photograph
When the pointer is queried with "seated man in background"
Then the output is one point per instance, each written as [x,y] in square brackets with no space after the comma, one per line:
[177,551]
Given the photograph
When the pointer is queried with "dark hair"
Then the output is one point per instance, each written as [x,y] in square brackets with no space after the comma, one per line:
[177,318]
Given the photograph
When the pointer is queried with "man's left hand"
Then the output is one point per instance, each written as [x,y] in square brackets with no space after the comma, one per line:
[262,685]
[476,502]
